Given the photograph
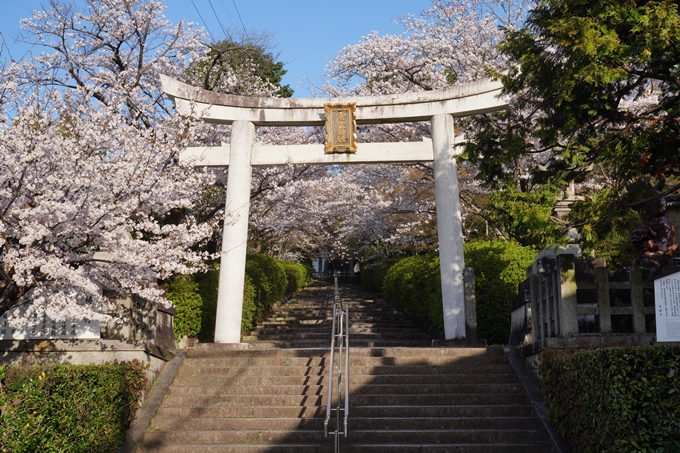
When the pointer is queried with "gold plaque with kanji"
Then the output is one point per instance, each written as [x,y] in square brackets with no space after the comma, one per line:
[341,128]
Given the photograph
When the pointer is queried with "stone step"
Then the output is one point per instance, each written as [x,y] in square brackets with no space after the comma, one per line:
[353,300]
[300,436]
[208,369]
[353,448]
[326,330]
[311,311]
[355,389]
[391,411]
[377,423]
[327,323]
[363,314]
[325,336]
[437,361]
[226,351]
[188,380]
[173,399]
[327,320]
[269,394]
[324,344]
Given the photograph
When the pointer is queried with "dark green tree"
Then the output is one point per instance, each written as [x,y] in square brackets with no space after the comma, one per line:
[595,89]
[250,61]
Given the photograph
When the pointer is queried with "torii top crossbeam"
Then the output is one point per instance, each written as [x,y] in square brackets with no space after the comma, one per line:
[458,101]
[461,100]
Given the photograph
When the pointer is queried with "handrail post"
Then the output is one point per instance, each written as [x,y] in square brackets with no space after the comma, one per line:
[330,377]
[346,368]
[339,341]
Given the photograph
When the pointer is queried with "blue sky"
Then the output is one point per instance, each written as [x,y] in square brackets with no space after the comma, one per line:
[307,32]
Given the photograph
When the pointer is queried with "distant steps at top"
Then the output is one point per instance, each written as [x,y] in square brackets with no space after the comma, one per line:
[305,321]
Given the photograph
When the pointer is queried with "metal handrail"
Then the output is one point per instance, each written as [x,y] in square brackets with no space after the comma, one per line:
[339,342]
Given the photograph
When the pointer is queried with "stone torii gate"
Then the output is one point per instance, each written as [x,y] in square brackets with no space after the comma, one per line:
[244,113]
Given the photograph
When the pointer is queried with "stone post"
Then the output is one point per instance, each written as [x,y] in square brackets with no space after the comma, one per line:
[537,309]
[470,306]
[567,306]
[637,300]
[603,299]
[235,235]
[449,226]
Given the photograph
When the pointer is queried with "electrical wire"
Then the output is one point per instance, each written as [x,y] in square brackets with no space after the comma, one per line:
[204,22]
[219,21]
[239,17]
[228,15]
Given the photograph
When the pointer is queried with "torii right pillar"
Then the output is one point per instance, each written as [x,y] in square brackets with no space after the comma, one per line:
[449,226]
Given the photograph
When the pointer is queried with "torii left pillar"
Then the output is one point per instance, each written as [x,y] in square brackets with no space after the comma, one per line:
[235,234]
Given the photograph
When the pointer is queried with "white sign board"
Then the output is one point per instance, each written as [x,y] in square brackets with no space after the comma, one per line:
[667,298]
[42,327]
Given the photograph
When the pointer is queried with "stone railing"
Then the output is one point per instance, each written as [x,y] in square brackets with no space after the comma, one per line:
[571,301]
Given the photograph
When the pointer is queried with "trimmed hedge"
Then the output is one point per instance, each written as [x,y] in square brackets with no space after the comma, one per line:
[413,285]
[68,408]
[499,267]
[269,280]
[616,400]
[373,276]
[266,282]
[208,283]
[297,274]
[183,291]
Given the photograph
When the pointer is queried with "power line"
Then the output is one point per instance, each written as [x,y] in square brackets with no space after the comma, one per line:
[204,22]
[239,17]
[219,21]
[228,15]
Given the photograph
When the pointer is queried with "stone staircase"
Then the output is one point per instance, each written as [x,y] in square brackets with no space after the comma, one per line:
[402,399]
[305,322]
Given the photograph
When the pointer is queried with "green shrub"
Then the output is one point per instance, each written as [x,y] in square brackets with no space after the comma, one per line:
[68,408]
[184,293]
[195,299]
[612,239]
[269,279]
[208,284]
[413,285]
[615,400]
[250,309]
[499,267]
[297,275]
[372,276]
[195,296]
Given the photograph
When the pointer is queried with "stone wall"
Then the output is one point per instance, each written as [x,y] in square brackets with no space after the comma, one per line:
[140,331]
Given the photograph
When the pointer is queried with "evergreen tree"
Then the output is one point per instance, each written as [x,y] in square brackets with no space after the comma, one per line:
[595,90]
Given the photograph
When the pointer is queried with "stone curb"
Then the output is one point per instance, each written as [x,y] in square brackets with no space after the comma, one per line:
[149,407]
[533,389]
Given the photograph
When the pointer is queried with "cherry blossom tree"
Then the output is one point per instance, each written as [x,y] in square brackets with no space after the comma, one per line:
[93,196]
[89,182]
[451,42]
